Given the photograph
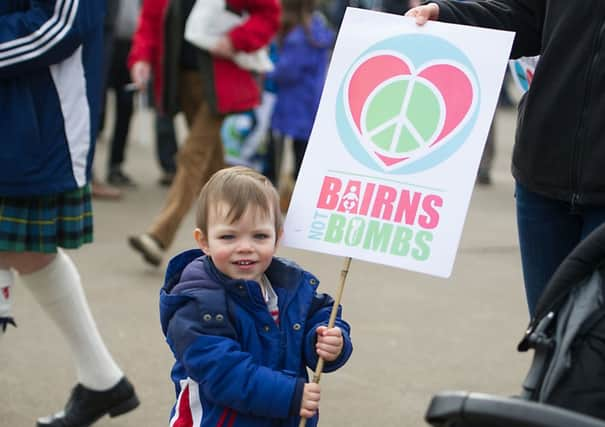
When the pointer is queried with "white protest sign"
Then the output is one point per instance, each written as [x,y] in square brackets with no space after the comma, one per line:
[522,70]
[391,163]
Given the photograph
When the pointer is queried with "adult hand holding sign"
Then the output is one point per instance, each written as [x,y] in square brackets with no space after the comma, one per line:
[422,14]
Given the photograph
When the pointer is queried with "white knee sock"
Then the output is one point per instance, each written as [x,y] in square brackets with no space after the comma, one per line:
[58,289]
[6,301]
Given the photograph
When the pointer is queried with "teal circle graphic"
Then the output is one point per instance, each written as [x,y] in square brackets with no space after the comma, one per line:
[420,50]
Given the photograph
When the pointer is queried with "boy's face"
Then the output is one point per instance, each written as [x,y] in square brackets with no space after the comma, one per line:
[243,249]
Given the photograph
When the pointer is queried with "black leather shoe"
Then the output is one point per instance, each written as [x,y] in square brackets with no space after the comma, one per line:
[86,406]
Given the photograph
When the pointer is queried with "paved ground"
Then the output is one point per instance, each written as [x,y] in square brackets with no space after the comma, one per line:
[414,335]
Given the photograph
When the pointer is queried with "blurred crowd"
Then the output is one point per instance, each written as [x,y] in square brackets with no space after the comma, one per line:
[246,75]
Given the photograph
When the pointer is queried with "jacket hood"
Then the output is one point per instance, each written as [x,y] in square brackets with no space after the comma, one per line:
[192,274]
[321,35]
[171,301]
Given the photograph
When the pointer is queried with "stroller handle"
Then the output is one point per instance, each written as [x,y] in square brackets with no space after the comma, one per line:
[464,409]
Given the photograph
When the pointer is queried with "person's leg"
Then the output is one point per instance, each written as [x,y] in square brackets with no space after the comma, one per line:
[275,152]
[124,109]
[7,279]
[101,190]
[166,147]
[269,170]
[548,230]
[55,284]
[593,217]
[300,146]
[487,157]
[200,156]
[120,135]
[102,388]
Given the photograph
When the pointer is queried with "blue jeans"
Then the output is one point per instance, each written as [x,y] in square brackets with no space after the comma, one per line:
[548,231]
[166,144]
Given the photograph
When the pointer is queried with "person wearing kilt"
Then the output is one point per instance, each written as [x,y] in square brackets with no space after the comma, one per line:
[50,91]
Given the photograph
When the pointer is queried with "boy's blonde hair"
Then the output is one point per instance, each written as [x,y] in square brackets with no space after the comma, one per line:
[239,188]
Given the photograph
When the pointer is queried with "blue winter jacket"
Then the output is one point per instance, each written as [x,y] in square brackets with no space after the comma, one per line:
[51,55]
[299,75]
[234,365]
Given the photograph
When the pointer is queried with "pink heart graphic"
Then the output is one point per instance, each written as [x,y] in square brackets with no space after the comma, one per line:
[452,83]
[457,91]
[368,76]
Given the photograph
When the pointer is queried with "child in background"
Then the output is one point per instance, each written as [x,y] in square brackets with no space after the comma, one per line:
[243,325]
[303,42]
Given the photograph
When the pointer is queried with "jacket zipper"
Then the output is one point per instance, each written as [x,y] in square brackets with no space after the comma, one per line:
[582,128]
[282,332]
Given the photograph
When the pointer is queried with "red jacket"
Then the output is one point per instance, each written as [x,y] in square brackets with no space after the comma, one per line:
[235,89]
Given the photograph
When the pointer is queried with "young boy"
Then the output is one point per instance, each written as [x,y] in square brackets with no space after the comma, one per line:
[243,324]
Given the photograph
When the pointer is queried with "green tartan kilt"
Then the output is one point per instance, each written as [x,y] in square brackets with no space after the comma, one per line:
[43,223]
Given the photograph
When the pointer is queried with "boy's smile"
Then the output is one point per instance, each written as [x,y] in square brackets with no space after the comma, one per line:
[242,249]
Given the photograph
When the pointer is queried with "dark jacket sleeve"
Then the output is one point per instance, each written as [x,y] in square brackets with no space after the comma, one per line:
[46,33]
[319,315]
[203,339]
[524,17]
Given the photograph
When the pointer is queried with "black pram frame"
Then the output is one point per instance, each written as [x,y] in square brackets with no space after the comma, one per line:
[575,292]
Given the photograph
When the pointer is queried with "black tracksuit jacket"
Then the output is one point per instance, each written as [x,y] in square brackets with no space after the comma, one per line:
[560,141]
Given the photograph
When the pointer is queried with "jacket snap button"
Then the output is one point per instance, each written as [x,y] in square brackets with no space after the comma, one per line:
[207,317]
[266,328]
[296,326]
[219,317]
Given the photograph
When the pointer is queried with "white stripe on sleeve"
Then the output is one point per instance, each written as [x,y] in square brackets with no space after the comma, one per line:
[43,39]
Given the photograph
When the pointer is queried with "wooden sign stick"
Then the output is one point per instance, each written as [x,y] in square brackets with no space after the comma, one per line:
[320,363]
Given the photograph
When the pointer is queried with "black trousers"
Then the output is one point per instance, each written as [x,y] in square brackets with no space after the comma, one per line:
[118,77]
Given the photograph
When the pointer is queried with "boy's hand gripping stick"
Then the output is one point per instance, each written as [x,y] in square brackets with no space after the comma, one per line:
[333,313]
